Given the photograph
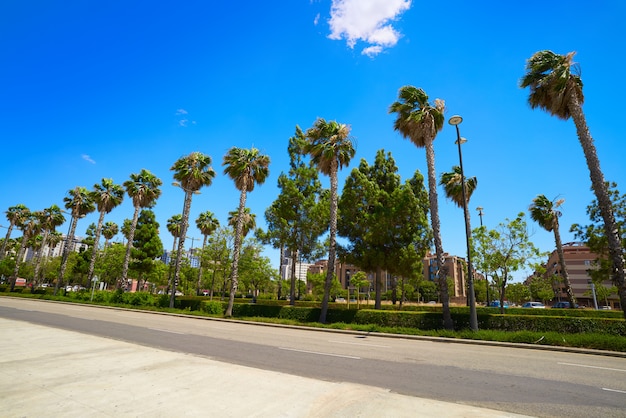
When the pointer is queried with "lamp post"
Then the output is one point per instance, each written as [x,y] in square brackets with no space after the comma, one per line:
[456,120]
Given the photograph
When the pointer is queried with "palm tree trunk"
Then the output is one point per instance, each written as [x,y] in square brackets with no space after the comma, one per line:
[181,245]
[330,270]
[564,273]
[234,276]
[94,251]
[18,259]
[616,252]
[129,246]
[69,245]
[442,269]
[292,289]
[40,258]
[378,287]
[6,240]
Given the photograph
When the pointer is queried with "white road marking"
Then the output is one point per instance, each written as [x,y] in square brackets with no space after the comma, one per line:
[366,345]
[319,353]
[592,367]
[167,330]
[614,390]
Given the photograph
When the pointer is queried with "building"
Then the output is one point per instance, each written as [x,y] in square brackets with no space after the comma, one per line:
[56,251]
[456,271]
[579,259]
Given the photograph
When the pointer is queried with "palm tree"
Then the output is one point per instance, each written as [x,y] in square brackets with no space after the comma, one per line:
[249,221]
[143,189]
[331,148]
[555,88]
[459,189]
[207,224]
[29,225]
[246,167]
[109,230]
[15,214]
[419,121]
[49,219]
[174,225]
[191,173]
[546,214]
[79,202]
[107,196]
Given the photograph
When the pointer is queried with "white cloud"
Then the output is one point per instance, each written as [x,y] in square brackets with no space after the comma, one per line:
[316,20]
[367,21]
[87,158]
[181,112]
[183,122]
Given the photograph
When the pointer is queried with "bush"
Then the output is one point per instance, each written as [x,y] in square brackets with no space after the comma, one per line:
[212,307]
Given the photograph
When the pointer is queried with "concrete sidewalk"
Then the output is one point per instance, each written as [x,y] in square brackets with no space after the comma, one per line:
[47,372]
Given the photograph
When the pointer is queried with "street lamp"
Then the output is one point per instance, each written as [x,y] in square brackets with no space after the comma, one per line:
[456,120]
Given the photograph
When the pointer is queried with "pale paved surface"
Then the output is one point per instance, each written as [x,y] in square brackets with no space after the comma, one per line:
[46,372]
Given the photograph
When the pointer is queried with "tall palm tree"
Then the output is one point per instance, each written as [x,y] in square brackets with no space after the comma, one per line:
[207,224]
[29,225]
[49,219]
[191,173]
[246,167]
[107,196]
[419,121]
[143,189]
[545,212]
[331,148]
[15,214]
[555,88]
[79,202]
[109,230]
[459,189]
[249,221]
[174,225]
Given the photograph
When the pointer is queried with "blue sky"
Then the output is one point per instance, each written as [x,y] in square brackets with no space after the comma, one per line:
[104,89]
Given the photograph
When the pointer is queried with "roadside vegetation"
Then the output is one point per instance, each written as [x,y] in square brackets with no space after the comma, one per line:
[575,328]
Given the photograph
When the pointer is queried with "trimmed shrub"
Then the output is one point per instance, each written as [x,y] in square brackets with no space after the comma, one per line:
[212,307]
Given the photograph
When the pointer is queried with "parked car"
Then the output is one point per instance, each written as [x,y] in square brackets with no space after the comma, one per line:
[536,305]
[496,304]
[564,305]
[605,308]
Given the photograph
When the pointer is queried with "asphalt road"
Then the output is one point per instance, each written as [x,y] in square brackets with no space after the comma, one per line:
[519,380]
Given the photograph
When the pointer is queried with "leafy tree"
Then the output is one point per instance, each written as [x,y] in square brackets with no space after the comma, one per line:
[541,287]
[107,196]
[147,245]
[546,214]
[246,167]
[594,236]
[109,268]
[79,202]
[191,172]
[330,148]
[143,189]
[15,215]
[380,217]
[207,224]
[296,218]
[518,293]
[420,122]
[359,280]
[505,250]
[217,256]
[555,88]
